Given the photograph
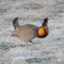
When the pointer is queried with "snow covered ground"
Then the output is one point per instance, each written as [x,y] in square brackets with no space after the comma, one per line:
[49,50]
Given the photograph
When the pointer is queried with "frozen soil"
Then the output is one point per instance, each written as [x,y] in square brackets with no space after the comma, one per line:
[49,50]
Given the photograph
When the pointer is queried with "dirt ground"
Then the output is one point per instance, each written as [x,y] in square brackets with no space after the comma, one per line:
[49,50]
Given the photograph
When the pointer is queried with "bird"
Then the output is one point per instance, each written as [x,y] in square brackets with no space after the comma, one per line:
[28,32]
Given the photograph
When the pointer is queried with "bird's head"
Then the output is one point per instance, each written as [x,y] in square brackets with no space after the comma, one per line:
[43,30]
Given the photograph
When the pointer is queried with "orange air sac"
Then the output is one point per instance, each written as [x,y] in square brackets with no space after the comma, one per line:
[41,31]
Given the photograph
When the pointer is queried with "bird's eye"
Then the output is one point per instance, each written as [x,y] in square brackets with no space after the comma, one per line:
[45,27]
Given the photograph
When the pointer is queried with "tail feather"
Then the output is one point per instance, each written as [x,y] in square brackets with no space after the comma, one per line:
[15,23]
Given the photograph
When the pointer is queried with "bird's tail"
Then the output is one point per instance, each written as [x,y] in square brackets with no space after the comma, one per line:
[15,23]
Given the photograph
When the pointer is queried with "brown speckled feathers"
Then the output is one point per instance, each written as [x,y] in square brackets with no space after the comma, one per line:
[26,32]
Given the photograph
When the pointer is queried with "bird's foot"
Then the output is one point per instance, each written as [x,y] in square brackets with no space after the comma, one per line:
[27,44]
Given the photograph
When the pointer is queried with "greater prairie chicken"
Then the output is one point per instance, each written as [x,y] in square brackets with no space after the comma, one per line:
[28,32]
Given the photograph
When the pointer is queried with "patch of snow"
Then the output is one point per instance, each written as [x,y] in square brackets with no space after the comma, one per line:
[60,25]
[62,36]
[53,47]
[17,51]
[60,60]
[17,5]
[60,0]
[52,2]
[22,58]
[51,24]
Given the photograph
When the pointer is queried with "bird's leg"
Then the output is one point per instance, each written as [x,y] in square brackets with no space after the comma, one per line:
[30,41]
[27,44]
